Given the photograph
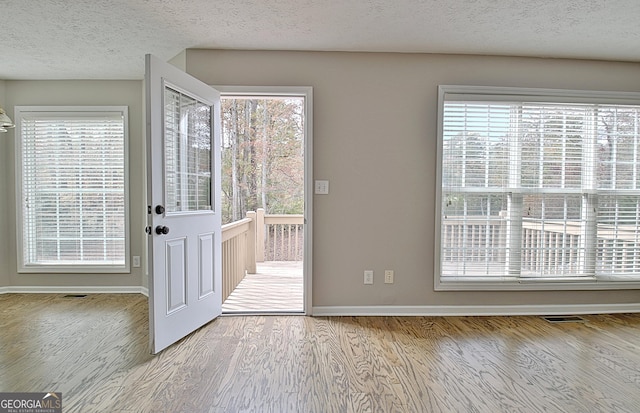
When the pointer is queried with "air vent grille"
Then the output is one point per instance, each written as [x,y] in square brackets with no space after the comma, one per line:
[565,319]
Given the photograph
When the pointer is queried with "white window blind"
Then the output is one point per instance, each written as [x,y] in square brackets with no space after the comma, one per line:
[187,153]
[538,188]
[73,200]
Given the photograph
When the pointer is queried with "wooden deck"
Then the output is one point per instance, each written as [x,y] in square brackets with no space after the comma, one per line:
[276,287]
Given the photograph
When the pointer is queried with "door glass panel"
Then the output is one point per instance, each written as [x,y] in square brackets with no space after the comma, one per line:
[187,152]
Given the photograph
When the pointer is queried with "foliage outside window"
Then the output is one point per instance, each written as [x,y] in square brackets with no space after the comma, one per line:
[72,198]
[538,186]
[262,155]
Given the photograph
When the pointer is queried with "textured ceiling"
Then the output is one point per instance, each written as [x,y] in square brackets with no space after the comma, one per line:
[107,39]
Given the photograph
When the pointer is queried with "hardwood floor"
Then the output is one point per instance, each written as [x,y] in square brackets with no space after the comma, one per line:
[95,351]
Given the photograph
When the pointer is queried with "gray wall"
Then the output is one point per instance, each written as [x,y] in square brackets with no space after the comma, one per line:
[4,192]
[66,92]
[375,140]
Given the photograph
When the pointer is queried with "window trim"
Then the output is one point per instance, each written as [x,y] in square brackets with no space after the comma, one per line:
[488,93]
[23,267]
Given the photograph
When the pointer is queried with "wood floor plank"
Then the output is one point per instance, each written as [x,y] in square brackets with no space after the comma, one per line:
[95,351]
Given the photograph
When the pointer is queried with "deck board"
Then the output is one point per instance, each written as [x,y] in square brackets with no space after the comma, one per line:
[277,287]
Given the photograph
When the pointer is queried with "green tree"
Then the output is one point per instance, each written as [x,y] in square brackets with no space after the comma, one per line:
[262,156]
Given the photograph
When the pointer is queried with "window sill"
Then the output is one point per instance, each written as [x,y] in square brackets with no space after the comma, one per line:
[74,269]
[486,284]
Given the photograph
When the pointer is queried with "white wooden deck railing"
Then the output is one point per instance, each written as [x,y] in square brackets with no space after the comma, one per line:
[281,235]
[236,253]
[258,238]
[552,248]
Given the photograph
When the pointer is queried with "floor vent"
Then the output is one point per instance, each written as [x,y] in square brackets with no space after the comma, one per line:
[565,319]
[74,296]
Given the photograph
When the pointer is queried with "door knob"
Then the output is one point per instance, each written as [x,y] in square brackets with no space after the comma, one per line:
[159,209]
[161,229]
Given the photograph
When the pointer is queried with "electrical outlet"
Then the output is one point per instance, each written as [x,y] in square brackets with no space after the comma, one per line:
[388,276]
[136,261]
[368,276]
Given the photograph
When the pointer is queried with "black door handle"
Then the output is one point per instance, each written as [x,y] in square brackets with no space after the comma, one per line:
[162,230]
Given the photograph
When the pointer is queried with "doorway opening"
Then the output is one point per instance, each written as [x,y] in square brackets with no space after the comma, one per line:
[264,236]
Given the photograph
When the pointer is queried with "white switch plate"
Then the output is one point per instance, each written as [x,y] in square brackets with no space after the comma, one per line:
[136,261]
[368,276]
[322,187]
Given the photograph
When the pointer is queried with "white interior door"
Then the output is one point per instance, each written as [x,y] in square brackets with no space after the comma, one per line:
[183,181]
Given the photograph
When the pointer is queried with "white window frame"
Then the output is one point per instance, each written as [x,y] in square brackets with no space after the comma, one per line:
[505,93]
[25,267]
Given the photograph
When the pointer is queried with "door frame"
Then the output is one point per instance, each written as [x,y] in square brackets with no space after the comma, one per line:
[307,93]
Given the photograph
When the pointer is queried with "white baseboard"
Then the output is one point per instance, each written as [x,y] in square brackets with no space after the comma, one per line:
[74,290]
[476,310]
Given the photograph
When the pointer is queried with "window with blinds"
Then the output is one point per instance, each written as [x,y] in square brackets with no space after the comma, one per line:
[538,185]
[72,197]
[187,153]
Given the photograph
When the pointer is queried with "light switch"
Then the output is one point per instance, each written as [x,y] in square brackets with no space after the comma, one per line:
[322,187]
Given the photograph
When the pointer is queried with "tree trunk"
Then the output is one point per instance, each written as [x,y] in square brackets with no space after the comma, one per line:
[265,155]
[249,183]
[235,193]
